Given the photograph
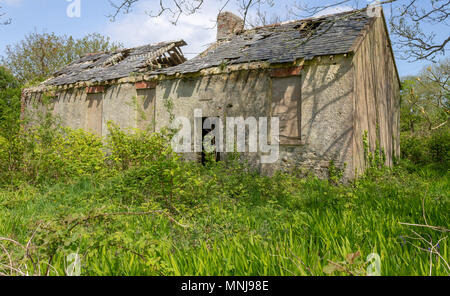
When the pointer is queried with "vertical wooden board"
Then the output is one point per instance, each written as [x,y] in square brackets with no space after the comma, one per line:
[94,113]
[286,104]
[286,94]
[289,127]
[375,65]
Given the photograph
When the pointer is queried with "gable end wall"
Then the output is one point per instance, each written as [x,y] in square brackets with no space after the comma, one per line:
[376,98]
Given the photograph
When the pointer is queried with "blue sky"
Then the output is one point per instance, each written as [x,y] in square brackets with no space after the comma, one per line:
[136,28]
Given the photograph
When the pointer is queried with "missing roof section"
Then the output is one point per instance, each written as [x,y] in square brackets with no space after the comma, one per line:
[102,67]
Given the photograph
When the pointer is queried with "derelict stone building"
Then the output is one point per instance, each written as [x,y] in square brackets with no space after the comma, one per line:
[330,80]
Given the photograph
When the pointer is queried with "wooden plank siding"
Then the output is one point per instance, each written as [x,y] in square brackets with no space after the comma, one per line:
[376,96]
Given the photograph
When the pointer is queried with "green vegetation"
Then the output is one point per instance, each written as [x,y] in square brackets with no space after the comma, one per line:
[127,205]
[425,113]
[139,210]
[39,55]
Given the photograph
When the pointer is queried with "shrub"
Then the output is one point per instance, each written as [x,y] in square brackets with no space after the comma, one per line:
[134,147]
[414,149]
[434,148]
[439,145]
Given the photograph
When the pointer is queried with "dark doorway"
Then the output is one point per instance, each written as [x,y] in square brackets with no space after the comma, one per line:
[205,132]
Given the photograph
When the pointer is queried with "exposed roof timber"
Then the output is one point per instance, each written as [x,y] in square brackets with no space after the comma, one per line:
[102,67]
[264,66]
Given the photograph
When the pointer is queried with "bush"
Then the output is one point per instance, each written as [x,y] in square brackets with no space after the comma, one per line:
[439,145]
[415,149]
[134,147]
[434,148]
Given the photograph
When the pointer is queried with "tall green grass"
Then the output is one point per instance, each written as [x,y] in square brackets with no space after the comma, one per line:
[232,222]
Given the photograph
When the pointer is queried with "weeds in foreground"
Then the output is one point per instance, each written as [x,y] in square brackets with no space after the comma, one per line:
[135,208]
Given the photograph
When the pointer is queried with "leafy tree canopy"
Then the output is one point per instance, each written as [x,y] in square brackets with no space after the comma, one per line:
[426,99]
[7,80]
[39,55]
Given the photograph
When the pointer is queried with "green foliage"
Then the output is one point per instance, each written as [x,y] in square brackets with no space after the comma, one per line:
[425,131]
[374,159]
[9,102]
[39,55]
[40,151]
[439,146]
[129,205]
[434,148]
[135,147]
[335,174]
[221,221]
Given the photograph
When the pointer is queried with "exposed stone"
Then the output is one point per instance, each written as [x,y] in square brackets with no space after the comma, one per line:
[228,24]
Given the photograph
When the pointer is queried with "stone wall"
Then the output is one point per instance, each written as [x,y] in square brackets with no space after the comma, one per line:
[324,110]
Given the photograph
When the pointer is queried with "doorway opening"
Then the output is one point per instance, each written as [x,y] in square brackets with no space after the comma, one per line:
[205,133]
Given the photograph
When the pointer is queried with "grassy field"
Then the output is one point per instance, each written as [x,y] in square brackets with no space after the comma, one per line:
[221,221]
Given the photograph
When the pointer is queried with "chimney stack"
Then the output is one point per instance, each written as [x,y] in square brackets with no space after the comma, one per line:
[228,24]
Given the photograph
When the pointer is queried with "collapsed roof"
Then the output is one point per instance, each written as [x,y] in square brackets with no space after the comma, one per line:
[278,43]
[282,43]
[99,67]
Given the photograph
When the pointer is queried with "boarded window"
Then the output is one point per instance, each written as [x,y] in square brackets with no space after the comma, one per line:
[94,113]
[146,108]
[286,105]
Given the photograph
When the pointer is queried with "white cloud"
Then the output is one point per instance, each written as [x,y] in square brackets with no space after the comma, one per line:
[138,28]
[334,10]
[10,2]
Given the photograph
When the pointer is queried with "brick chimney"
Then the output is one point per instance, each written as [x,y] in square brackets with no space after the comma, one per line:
[228,24]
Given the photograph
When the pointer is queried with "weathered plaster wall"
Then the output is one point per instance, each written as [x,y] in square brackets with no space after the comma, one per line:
[118,103]
[326,108]
[71,106]
[238,94]
[146,108]
[119,106]
[326,119]
[377,97]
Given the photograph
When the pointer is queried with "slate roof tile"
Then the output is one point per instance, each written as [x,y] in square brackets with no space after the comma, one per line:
[99,67]
[282,43]
[279,43]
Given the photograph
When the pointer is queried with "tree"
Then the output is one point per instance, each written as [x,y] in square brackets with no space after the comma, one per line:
[426,100]
[409,24]
[412,22]
[4,21]
[9,103]
[425,111]
[40,54]
[9,97]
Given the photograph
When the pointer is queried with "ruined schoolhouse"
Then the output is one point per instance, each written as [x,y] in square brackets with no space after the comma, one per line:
[331,80]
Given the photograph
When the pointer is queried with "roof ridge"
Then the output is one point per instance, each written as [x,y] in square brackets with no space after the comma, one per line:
[313,18]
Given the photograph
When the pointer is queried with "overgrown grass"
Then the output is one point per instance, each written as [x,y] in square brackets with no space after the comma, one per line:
[225,220]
